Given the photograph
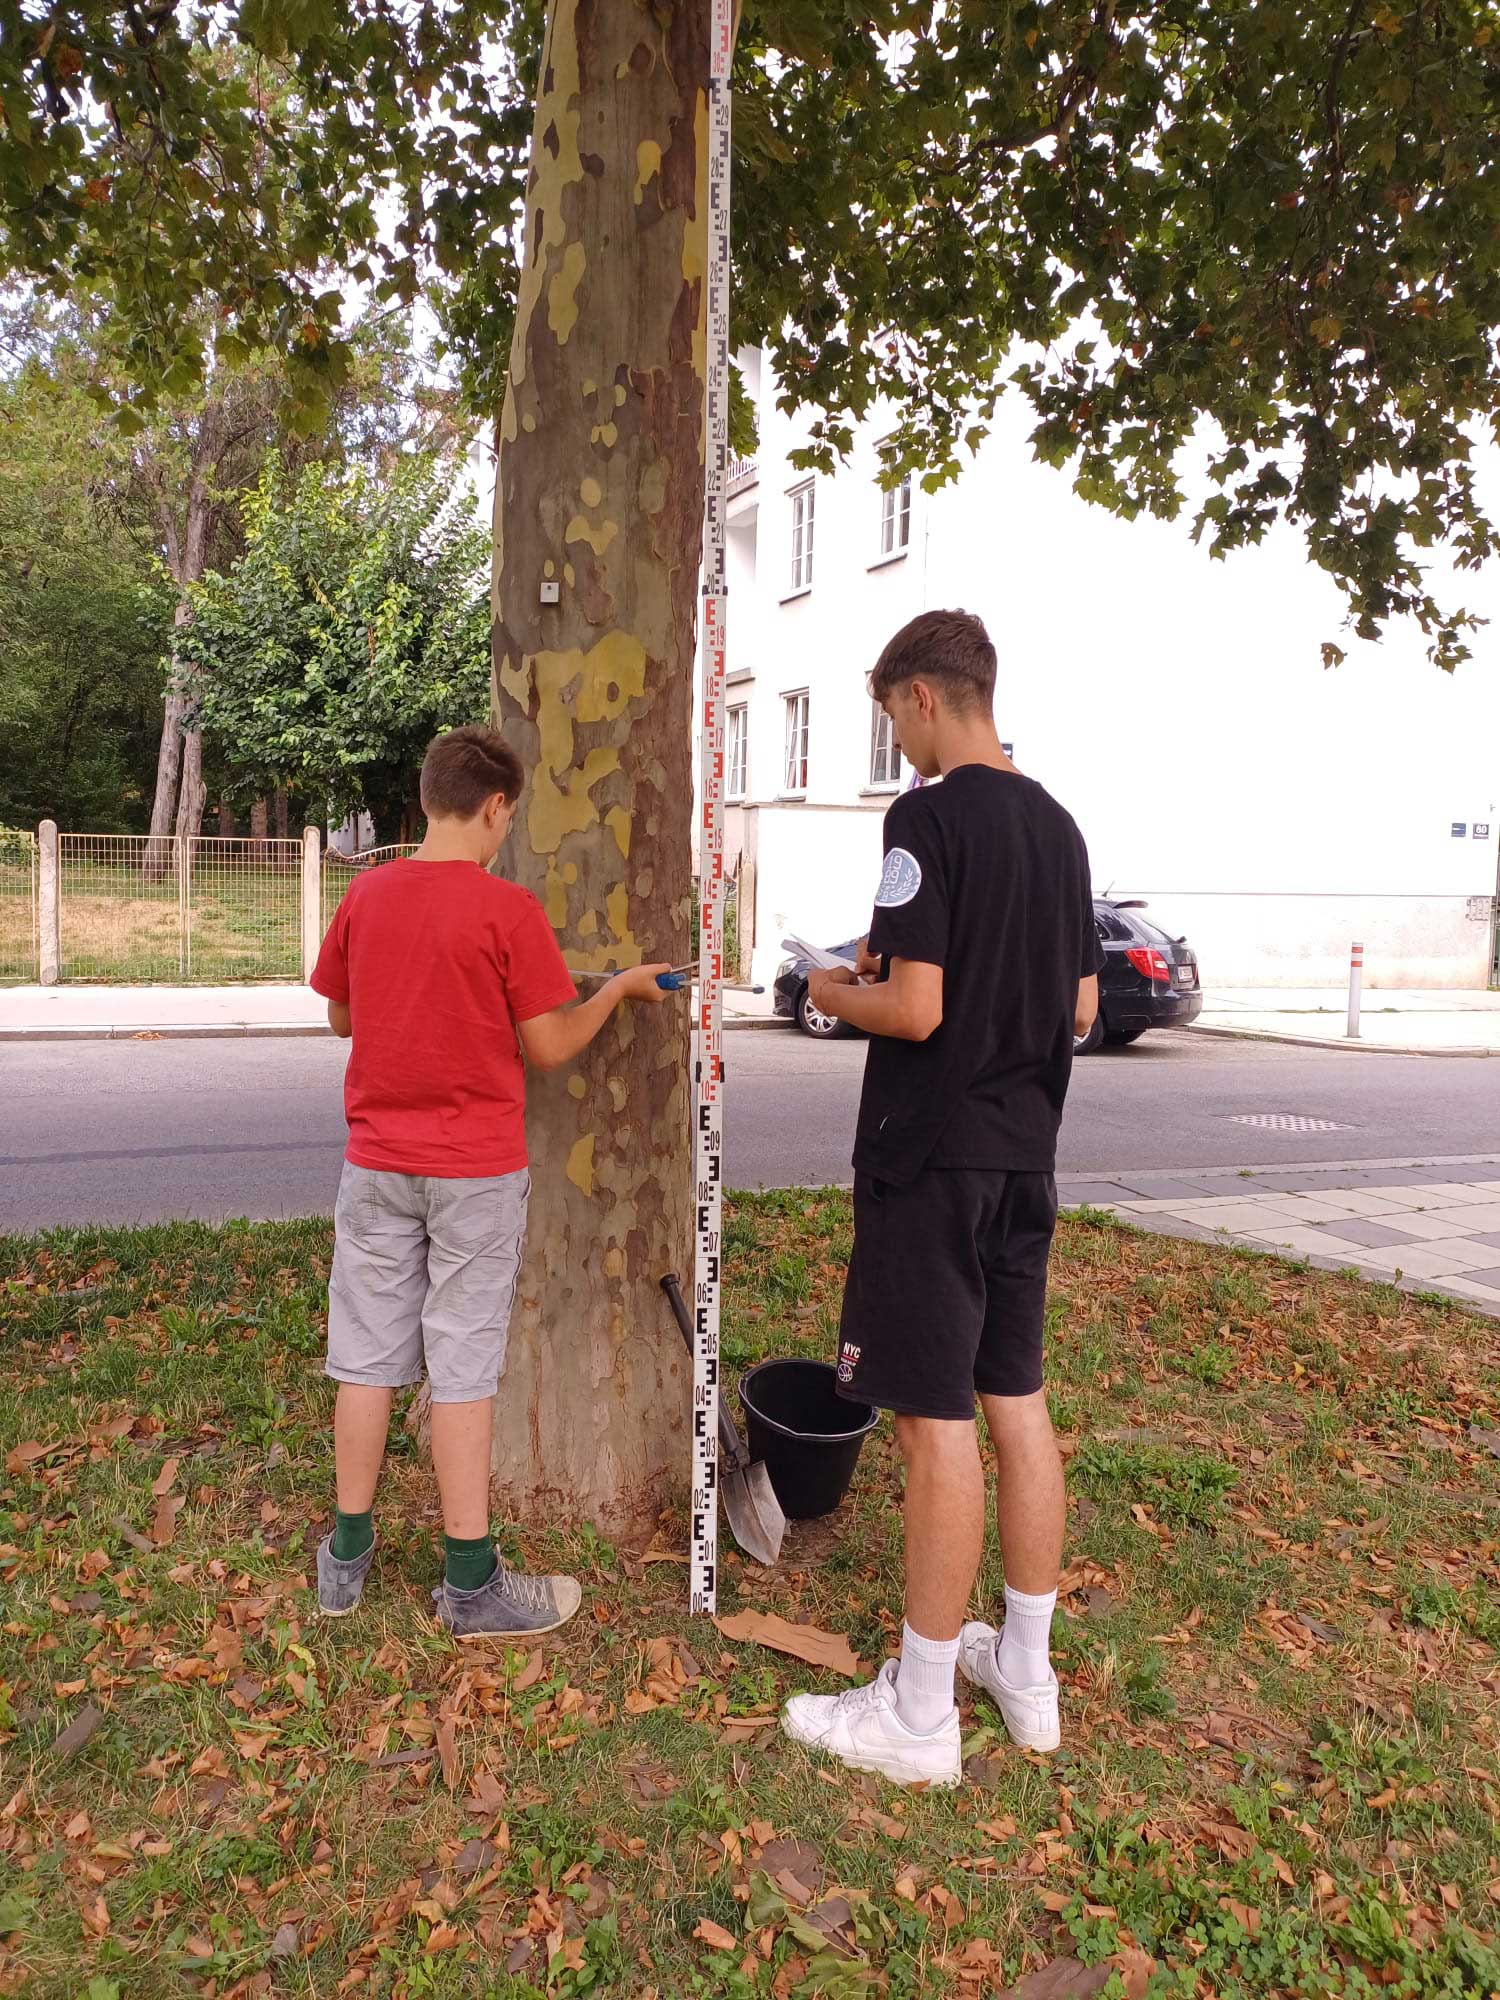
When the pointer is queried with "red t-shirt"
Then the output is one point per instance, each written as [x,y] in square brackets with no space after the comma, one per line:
[438,961]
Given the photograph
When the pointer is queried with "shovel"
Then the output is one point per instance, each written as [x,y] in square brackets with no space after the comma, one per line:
[755,1517]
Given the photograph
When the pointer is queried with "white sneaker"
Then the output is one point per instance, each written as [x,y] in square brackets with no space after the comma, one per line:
[862,1729]
[1030,1714]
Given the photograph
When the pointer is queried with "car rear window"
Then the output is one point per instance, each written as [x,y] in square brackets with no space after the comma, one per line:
[1149,931]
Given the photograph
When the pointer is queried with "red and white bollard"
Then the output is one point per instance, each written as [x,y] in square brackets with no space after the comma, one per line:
[1356,981]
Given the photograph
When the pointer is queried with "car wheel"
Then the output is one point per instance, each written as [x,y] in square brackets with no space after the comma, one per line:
[1118,1038]
[822,1027]
[1085,1045]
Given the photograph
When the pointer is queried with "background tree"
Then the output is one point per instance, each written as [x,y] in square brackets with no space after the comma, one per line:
[84,615]
[353,627]
[1252,248]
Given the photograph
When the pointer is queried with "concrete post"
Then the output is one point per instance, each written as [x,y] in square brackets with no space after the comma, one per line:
[312,900]
[49,905]
[1356,982]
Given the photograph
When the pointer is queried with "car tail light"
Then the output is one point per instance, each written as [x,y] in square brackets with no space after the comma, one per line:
[1150,964]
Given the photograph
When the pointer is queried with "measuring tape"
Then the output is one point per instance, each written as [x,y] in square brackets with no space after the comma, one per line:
[708,1065]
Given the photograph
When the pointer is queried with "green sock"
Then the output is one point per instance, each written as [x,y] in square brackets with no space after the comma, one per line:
[352,1533]
[470,1563]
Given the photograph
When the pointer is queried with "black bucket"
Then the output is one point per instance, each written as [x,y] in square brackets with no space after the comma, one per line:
[804,1431]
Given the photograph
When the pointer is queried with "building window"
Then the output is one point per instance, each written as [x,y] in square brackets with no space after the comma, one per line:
[885,755]
[739,738]
[895,518]
[794,776]
[802,536]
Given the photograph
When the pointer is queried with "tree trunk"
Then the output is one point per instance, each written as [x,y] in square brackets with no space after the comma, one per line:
[193,793]
[280,810]
[168,763]
[599,489]
[258,823]
[226,822]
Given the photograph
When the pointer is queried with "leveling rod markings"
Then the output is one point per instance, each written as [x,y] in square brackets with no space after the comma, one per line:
[708,1098]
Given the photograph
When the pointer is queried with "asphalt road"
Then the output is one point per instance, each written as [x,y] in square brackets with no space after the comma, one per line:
[137,1131]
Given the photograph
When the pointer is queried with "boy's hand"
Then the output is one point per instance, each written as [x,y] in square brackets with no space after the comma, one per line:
[867,963]
[821,984]
[639,983]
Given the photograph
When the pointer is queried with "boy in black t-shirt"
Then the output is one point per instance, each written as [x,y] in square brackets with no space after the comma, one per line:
[981,965]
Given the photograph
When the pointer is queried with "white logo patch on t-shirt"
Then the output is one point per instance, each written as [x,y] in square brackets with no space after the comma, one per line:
[901,880]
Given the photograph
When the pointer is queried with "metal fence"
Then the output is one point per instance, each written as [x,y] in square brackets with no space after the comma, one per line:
[203,909]
[18,906]
[339,870]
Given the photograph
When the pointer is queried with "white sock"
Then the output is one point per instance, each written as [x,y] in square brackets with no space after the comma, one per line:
[924,1681]
[1022,1655]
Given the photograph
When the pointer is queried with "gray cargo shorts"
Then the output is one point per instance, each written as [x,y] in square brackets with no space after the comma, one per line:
[424,1270]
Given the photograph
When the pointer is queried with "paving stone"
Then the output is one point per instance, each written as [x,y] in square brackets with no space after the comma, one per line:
[1360,1229]
[1488,1278]
[1160,1187]
[1097,1193]
[1467,1219]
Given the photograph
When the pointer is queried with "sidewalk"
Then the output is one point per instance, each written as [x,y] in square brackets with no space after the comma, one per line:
[1465,1022]
[125,1013]
[1424,1227]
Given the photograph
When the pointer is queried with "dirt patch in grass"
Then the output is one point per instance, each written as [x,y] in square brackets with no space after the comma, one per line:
[1278,1647]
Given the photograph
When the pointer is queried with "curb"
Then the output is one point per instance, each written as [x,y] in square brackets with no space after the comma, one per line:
[180,1031]
[1342,1042]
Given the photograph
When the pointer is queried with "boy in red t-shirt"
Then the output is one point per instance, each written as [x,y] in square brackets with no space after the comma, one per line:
[444,975]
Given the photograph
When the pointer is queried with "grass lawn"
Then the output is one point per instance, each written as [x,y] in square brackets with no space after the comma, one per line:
[1279,1652]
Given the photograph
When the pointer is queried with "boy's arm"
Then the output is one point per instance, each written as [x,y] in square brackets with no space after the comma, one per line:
[554,1038]
[908,1005]
[340,1019]
[1086,1011]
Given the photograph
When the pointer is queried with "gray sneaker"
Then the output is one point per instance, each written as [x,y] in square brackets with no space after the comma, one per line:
[511,1603]
[341,1584]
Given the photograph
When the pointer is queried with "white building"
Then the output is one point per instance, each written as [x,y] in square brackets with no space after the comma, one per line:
[1270,810]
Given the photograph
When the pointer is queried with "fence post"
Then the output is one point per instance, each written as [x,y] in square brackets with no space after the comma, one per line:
[312,900]
[49,906]
[1356,982]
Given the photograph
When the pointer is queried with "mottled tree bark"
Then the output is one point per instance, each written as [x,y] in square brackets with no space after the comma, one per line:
[192,793]
[599,492]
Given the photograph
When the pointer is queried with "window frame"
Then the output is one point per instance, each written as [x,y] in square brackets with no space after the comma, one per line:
[802,498]
[740,710]
[795,703]
[895,521]
[884,737]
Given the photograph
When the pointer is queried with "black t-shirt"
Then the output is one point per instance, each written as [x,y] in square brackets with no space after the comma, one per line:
[986,876]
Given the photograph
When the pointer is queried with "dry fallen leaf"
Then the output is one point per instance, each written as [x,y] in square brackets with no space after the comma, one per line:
[1062,1979]
[715,1935]
[447,1745]
[803,1642]
[16,1461]
[166,1479]
[164,1523]
[530,1674]
[95,1915]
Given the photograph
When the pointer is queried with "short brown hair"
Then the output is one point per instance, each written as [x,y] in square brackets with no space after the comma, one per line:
[464,768]
[949,648]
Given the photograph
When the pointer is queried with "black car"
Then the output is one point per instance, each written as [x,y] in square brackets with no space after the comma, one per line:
[1149,981]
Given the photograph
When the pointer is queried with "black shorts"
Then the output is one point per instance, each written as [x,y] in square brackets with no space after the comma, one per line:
[947,1290]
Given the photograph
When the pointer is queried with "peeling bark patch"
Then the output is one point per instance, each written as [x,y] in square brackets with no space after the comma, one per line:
[577,1085]
[590,492]
[555,166]
[562,293]
[598,539]
[581,1164]
[591,164]
[618,822]
[647,166]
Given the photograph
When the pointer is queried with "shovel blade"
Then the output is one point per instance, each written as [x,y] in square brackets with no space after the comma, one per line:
[754,1513]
